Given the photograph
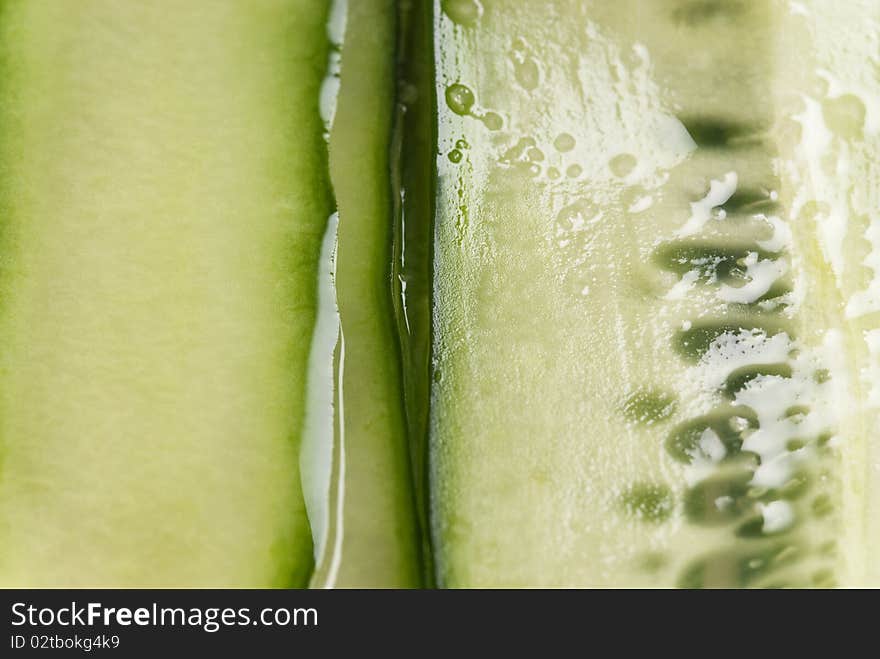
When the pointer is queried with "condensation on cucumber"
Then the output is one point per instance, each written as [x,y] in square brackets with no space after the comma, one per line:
[656,281]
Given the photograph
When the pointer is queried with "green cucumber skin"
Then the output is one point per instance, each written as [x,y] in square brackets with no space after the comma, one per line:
[164,196]
[379,545]
[416,144]
[553,397]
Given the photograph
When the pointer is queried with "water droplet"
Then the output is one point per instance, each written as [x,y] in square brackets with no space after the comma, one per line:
[574,171]
[553,173]
[462,144]
[462,12]
[517,151]
[527,73]
[525,67]
[459,98]
[492,121]
[622,164]
[455,155]
[575,216]
[564,142]
[535,154]
[534,169]
[845,115]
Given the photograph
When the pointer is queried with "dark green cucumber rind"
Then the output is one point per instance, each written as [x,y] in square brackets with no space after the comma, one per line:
[415,175]
[380,541]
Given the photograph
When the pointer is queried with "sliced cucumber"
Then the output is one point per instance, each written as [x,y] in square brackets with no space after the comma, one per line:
[643,372]
[164,194]
[372,540]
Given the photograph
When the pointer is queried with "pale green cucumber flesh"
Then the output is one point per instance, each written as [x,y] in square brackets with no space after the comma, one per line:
[652,366]
[164,195]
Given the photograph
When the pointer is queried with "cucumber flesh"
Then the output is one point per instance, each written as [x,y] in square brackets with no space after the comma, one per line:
[164,195]
[641,344]
[833,192]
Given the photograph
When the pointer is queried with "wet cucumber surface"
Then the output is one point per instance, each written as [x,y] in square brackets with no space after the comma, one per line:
[655,316]
[369,538]
[609,271]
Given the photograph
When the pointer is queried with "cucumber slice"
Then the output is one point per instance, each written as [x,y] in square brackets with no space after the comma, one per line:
[645,370]
[372,540]
[164,194]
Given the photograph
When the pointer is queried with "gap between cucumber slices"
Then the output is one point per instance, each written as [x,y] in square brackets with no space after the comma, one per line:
[414,173]
[656,354]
